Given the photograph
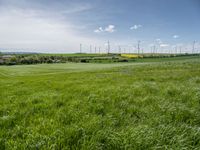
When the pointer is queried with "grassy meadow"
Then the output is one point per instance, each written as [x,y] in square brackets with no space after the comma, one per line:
[89,106]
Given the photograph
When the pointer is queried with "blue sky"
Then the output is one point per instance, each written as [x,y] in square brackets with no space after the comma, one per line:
[61,25]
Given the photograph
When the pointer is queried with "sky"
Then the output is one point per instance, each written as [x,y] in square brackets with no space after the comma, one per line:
[59,26]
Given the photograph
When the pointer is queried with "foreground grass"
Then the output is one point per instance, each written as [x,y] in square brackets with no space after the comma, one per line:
[101,106]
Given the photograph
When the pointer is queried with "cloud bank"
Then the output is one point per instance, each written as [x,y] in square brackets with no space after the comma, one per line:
[35,30]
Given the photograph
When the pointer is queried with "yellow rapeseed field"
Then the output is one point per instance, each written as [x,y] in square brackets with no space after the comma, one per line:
[131,55]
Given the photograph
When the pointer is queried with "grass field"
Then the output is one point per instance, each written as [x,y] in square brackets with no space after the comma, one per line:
[142,105]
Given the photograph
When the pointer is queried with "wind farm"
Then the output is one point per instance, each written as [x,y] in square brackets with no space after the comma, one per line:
[99,75]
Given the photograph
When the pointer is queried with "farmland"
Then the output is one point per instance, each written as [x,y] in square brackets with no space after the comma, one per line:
[37,58]
[146,104]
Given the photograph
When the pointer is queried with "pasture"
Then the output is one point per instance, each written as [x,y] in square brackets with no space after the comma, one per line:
[140,105]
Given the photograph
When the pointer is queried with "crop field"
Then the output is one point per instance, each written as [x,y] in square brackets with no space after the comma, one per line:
[135,105]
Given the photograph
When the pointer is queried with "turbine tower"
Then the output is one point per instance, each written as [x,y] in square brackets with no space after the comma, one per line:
[80,48]
[193,47]
[119,49]
[138,47]
[154,49]
[90,49]
[108,47]
[180,49]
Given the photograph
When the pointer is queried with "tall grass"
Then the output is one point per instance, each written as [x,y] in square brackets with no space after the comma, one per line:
[140,106]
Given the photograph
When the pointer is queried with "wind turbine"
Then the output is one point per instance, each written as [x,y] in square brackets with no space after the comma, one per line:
[80,48]
[193,47]
[90,49]
[95,49]
[119,49]
[138,47]
[108,47]
[180,49]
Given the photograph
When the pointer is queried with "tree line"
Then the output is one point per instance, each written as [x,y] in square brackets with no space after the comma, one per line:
[36,59]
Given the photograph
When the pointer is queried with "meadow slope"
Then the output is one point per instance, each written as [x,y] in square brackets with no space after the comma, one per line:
[101,106]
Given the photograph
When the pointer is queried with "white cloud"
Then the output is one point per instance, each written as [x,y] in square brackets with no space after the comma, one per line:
[23,30]
[77,9]
[164,45]
[159,41]
[176,36]
[135,27]
[99,30]
[109,28]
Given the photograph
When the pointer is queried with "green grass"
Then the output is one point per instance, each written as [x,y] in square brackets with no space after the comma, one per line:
[178,58]
[151,105]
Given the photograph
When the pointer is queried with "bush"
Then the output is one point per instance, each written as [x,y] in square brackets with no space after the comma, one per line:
[84,61]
